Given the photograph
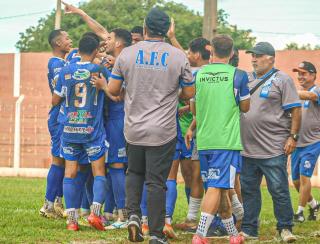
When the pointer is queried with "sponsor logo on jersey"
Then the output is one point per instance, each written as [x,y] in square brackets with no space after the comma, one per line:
[81,74]
[79,117]
[122,152]
[78,130]
[214,77]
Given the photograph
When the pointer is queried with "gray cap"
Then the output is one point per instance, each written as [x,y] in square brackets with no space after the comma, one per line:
[263,48]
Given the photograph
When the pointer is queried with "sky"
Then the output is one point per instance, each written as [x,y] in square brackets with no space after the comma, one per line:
[276,21]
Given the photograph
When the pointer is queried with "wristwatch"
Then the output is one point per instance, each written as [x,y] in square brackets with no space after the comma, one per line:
[295,137]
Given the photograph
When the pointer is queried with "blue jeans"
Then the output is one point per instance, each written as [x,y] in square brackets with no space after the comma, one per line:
[275,172]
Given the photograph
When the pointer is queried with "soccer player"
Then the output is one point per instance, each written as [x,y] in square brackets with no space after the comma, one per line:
[117,158]
[304,158]
[61,44]
[221,93]
[83,130]
[137,34]
[198,56]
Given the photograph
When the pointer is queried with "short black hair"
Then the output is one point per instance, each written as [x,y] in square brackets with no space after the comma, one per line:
[92,34]
[87,45]
[138,30]
[124,35]
[53,36]
[199,45]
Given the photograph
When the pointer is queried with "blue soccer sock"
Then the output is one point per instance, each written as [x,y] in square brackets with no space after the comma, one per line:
[71,193]
[187,190]
[143,204]
[81,181]
[89,188]
[118,179]
[99,189]
[171,197]
[109,203]
[54,182]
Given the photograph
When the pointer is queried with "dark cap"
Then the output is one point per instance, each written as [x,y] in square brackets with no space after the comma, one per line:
[305,67]
[158,22]
[263,48]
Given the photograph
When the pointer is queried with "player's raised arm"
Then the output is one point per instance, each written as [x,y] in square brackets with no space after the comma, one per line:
[92,24]
[171,34]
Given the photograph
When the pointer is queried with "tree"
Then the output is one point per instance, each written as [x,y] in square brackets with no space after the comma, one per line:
[126,14]
[295,46]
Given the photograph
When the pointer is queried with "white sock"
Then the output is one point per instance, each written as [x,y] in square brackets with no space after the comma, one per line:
[237,208]
[59,199]
[300,209]
[313,203]
[72,215]
[122,214]
[204,224]
[49,204]
[95,208]
[144,220]
[193,209]
[168,220]
[230,227]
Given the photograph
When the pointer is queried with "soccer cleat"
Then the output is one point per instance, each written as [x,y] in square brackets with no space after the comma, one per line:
[72,226]
[187,225]
[96,222]
[48,213]
[135,234]
[239,239]
[199,240]
[313,212]
[169,231]
[117,225]
[59,209]
[287,236]
[145,229]
[299,217]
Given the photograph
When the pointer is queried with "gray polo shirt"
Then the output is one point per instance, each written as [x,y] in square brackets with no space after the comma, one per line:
[152,72]
[266,127]
[310,124]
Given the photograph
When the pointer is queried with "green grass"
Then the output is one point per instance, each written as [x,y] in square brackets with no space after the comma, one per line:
[20,200]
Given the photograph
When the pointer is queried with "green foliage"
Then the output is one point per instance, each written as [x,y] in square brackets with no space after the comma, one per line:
[295,46]
[22,198]
[126,14]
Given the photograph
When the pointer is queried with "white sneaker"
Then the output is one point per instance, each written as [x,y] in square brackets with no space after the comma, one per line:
[247,236]
[117,225]
[287,236]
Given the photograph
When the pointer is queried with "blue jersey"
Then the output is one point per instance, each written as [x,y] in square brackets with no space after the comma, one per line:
[73,57]
[83,105]
[55,65]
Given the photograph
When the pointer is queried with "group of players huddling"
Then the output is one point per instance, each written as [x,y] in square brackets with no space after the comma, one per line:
[87,142]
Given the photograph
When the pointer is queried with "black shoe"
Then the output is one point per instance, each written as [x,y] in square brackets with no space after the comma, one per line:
[216,231]
[156,240]
[299,217]
[134,229]
[313,212]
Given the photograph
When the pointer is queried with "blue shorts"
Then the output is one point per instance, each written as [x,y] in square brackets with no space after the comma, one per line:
[55,130]
[239,165]
[218,168]
[117,143]
[181,149]
[77,151]
[303,160]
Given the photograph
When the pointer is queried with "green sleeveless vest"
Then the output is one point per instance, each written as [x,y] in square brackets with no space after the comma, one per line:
[217,113]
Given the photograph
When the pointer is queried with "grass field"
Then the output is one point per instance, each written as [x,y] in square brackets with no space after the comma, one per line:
[20,200]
